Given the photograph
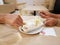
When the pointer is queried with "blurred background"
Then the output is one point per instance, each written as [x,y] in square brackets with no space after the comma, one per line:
[9,6]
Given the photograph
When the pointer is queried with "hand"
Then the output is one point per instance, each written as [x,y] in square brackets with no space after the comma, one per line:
[45,14]
[14,20]
[50,22]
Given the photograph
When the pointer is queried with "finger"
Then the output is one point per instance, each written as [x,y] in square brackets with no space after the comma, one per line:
[49,23]
[44,12]
[20,22]
[47,19]
[16,26]
[20,19]
[42,15]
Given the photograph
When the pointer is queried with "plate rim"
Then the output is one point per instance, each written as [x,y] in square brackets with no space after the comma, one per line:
[41,28]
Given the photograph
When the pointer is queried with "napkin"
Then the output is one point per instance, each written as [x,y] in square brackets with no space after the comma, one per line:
[48,31]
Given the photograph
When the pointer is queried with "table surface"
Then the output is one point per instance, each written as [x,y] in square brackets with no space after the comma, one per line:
[35,39]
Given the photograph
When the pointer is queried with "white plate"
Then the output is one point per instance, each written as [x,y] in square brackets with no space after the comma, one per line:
[34,30]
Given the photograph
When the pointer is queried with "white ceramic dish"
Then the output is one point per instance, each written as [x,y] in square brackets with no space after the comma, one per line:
[30,22]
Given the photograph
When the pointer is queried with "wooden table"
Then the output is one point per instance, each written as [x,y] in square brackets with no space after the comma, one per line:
[34,39]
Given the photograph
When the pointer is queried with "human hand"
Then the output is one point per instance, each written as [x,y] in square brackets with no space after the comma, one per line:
[14,20]
[50,22]
[45,14]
